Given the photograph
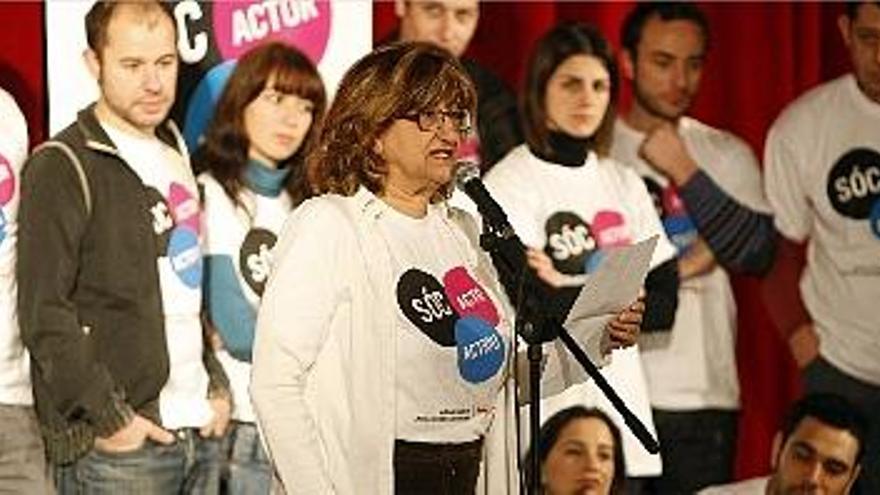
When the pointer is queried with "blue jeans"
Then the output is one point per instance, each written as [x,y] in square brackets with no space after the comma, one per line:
[249,471]
[189,465]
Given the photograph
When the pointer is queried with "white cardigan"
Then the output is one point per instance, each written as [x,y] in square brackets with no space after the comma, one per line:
[324,361]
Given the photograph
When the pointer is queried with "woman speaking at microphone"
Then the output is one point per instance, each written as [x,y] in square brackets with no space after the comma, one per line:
[568,200]
[382,355]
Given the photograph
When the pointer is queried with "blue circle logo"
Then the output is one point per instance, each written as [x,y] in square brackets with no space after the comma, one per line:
[480,349]
[185,255]
[681,231]
[592,263]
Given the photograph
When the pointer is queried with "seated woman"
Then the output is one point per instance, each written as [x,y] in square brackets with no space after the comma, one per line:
[580,452]
[570,202]
[253,157]
[383,350]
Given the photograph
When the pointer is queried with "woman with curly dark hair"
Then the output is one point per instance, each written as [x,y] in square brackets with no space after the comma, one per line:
[382,359]
[382,345]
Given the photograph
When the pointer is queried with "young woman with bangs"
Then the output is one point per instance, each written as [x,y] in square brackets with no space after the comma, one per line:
[254,176]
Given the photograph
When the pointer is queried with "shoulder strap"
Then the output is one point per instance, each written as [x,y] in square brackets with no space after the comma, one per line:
[77,166]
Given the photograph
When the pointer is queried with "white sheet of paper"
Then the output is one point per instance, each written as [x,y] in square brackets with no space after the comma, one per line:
[612,287]
[615,284]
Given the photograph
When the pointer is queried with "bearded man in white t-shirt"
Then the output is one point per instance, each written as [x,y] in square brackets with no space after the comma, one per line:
[822,164]
[706,186]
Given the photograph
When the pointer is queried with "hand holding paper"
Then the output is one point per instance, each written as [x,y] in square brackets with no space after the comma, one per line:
[605,296]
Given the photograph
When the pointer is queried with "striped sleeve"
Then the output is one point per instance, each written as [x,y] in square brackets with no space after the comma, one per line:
[742,240]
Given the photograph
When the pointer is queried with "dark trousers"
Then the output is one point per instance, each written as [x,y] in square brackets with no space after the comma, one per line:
[436,469]
[698,450]
[820,376]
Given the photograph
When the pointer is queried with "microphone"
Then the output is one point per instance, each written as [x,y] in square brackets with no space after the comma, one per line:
[467,178]
[506,249]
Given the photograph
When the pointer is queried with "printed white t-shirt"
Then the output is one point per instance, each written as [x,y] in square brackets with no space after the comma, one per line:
[15,382]
[174,208]
[248,238]
[822,165]
[694,366]
[452,342]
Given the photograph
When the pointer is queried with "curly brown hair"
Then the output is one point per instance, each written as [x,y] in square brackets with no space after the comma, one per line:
[391,82]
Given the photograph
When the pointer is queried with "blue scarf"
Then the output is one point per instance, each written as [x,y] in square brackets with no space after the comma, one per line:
[264,180]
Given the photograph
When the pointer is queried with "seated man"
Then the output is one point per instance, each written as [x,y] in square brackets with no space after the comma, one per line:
[819,450]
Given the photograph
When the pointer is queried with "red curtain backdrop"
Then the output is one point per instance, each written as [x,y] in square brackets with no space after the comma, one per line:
[763,55]
[22,48]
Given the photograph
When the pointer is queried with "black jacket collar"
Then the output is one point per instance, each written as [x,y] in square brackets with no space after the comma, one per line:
[97,139]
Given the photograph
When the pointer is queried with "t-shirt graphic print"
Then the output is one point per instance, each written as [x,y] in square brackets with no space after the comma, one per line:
[853,187]
[576,246]
[672,212]
[255,258]
[175,215]
[457,313]
[452,342]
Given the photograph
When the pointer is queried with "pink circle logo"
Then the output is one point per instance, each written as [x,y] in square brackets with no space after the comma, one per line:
[184,207]
[467,297]
[610,229]
[672,203]
[241,25]
[7,181]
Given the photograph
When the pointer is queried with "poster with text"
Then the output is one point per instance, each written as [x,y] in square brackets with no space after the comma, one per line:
[211,37]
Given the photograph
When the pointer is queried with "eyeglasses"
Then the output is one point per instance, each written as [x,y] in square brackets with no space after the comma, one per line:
[433,120]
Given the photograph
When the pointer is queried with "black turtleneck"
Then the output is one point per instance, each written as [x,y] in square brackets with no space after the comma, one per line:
[566,150]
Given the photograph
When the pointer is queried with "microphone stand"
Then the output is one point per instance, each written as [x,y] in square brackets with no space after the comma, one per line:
[508,254]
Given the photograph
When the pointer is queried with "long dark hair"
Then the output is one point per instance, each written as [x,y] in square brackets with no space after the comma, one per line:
[225,150]
[391,82]
[564,41]
[552,428]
